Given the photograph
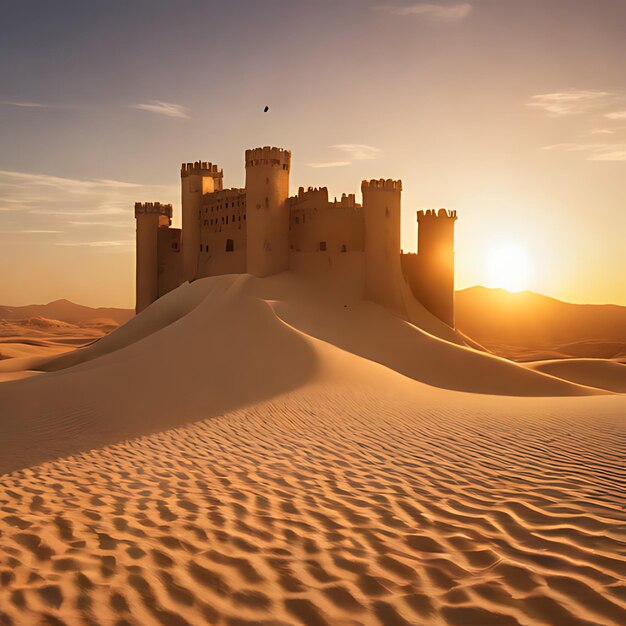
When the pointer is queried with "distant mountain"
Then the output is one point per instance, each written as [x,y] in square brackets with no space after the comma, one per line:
[527,325]
[66,311]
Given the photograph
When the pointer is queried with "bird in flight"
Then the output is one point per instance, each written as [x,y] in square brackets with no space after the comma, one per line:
[266,109]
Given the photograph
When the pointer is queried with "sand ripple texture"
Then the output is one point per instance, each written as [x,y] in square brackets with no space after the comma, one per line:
[333,505]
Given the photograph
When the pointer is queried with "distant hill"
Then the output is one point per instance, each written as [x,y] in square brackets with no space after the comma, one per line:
[66,311]
[527,326]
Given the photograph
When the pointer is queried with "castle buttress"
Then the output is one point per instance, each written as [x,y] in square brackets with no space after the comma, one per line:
[261,230]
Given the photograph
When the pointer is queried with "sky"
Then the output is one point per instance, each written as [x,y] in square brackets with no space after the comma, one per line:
[511,112]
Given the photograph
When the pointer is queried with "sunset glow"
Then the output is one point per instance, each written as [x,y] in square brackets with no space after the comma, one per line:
[508,267]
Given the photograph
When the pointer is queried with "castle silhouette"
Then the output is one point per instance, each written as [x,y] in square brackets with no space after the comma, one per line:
[261,230]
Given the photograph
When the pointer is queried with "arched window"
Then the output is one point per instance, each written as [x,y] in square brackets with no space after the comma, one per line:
[230,245]
[343,247]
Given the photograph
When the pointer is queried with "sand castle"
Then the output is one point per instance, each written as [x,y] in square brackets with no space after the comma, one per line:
[262,230]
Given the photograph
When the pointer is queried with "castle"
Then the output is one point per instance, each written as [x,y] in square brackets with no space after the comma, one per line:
[262,230]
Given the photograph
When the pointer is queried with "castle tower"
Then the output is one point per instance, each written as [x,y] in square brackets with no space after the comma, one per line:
[383,273]
[150,216]
[267,195]
[435,252]
[196,179]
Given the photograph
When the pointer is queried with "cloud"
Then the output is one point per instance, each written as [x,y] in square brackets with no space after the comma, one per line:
[358,151]
[430,11]
[616,115]
[355,152]
[30,232]
[89,212]
[162,108]
[609,153]
[119,243]
[26,105]
[596,151]
[330,164]
[570,102]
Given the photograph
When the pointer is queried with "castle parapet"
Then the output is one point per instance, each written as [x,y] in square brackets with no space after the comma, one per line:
[153,207]
[347,201]
[201,168]
[382,184]
[319,194]
[268,156]
[430,214]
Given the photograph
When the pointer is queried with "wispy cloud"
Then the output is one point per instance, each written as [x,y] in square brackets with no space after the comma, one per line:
[31,232]
[118,243]
[609,153]
[25,105]
[571,102]
[595,151]
[616,115]
[86,211]
[358,151]
[330,164]
[354,152]
[431,11]
[162,108]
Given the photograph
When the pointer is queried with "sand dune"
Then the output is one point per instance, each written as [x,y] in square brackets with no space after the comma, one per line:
[602,374]
[331,485]
[66,311]
[527,326]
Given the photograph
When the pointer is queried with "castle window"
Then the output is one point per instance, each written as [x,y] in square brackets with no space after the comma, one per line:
[227,219]
[297,220]
[230,245]
[233,218]
[322,246]
[244,217]
[343,247]
[200,247]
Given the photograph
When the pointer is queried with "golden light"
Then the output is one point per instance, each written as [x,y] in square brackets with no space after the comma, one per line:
[508,267]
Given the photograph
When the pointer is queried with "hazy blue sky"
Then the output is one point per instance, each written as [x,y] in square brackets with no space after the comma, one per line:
[512,112]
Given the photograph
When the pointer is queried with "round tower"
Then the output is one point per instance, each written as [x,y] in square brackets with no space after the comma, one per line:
[196,179]
[149,216]
[435,251]
[267,194]
[383,273]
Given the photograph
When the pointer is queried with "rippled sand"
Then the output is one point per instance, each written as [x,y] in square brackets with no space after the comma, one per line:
[358,495]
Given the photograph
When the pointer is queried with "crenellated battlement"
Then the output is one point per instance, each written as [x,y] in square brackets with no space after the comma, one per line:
[346,201]
[268,156]
[382,185]
[202,168]
[431,214]
[141,208]
[311,193]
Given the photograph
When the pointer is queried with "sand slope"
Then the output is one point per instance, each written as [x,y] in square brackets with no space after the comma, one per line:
[220,344]
[599,373]
[330,486]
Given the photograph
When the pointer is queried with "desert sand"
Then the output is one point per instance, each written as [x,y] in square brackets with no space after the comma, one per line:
[264,451]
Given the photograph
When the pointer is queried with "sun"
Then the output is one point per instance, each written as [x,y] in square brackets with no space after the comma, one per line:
[508,267]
